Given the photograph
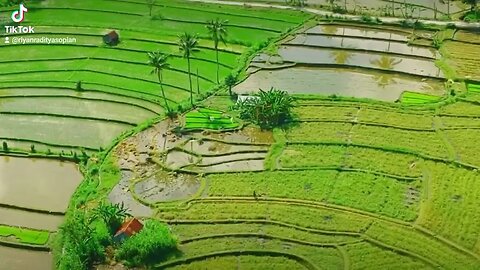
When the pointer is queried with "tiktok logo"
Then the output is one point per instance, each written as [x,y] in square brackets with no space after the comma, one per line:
[19,15]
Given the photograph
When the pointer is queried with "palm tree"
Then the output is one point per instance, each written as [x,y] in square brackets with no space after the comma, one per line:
[188,45]
[218,31]
[230,81]
[158,61]
[112,215]
[151,4]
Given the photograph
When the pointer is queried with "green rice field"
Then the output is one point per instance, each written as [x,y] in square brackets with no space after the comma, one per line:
[386,179]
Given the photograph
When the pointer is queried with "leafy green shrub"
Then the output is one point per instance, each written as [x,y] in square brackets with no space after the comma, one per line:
[81,245]
[472,16]
[152,244]
[5,146]
[268,109]
[112,215]
[78,86]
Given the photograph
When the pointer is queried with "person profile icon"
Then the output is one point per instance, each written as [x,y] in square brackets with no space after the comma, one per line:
[7,40]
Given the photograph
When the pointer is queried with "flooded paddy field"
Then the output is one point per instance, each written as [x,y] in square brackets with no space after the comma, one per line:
[383,62]
[21,259]
[357,31]
[27,219]
[35,183]
[60,131]
[357,44]
[120,98]
[34,194]
[380,64]
[328,81]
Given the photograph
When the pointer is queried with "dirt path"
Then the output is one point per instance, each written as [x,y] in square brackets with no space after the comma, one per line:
[458,24]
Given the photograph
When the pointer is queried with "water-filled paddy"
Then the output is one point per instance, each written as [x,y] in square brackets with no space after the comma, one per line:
[21,218]
[37,183]
[353,43]
[352,31]
[325,81]
[316,56]
[114,95]
[61,131]
[22,259]
[76,107]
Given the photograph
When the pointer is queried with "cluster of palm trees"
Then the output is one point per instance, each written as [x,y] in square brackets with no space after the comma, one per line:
[188,44]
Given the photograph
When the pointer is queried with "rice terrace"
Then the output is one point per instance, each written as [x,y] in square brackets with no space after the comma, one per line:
[258,134]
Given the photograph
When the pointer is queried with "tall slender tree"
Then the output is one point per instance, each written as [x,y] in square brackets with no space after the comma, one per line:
[218,32]
[188,45]
[151,4]
[230,82]
[158,61]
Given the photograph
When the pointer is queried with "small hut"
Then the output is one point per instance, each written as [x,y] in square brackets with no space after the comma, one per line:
[112,38]
[128,228]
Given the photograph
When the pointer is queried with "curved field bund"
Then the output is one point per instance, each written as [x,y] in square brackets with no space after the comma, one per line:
[337,193]
[118,90]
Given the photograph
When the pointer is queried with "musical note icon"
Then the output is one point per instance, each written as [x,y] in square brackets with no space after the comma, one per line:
[19,15]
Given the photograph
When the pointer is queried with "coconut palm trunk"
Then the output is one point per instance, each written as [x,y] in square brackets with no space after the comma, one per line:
[218,63]
[160,80]
[190,80]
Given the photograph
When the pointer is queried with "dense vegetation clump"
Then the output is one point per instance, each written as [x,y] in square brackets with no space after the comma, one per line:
[82,244]
[112,215]
[152,244]
[268,109]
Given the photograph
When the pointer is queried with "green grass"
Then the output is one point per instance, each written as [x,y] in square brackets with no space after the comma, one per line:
[24,235]
[185,231]
[244,262]
[329,257]
[450,208]
[385,195]
[421,142]
[300,156]
[413,98]
[368,256]
[204,118]
[475,88]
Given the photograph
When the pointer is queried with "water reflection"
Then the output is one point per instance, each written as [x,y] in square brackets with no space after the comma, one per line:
[341,57]
[386,62]
[386,86]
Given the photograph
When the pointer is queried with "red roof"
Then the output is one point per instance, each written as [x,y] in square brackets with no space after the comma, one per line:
[130,227]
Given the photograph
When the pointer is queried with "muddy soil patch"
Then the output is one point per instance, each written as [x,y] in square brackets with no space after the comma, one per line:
[164,186]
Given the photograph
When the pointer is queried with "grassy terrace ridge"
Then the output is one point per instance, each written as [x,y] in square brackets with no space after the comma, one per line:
[117,79]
